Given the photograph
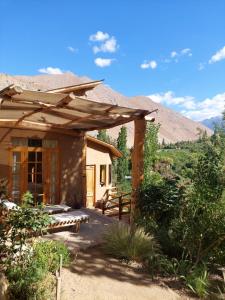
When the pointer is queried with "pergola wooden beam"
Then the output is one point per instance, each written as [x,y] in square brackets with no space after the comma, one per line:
[78,87]
[27,125]
[137,163]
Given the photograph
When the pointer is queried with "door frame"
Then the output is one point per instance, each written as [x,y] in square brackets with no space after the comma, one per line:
[92,165]
[24,171]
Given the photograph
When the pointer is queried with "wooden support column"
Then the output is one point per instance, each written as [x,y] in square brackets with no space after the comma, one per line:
[137,163]
[84,176]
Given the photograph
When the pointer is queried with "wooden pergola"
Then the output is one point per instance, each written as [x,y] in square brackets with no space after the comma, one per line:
[65,111]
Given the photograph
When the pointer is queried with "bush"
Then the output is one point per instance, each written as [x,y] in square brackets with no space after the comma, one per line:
[132,245]
[198,281]
[33,278]
[47,254]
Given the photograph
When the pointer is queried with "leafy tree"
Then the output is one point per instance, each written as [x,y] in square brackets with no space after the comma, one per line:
[122,162]
[103,136]
[150,149]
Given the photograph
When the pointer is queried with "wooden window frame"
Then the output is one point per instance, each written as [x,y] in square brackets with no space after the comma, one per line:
[46,152]
[103,181]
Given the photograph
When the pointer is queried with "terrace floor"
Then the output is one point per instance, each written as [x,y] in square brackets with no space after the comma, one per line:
[89,234]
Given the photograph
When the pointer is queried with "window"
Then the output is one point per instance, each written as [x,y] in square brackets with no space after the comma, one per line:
[35,167]
[110,174]
[102,175]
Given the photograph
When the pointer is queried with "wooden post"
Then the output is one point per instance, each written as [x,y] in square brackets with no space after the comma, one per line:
[84,177]
[58,279]
[137,163]
[120,207]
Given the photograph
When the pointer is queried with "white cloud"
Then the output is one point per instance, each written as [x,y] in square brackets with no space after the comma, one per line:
[169,98]
[201,66]
[190,107]
[173,54]
[108,46]
[219,55]
[149,64]
[99,36]
[186,51]
[72,49]
[50,70]
[103,62]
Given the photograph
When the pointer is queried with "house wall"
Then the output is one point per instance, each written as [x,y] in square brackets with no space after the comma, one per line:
[98,155]
[70,161]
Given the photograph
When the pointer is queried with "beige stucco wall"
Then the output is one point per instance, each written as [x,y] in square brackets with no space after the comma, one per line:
[98,155]
[70,161]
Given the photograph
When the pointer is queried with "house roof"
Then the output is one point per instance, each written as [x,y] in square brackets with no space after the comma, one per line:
[114,151]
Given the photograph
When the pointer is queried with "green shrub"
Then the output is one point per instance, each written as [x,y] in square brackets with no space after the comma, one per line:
[198,281]
[33,278]
[47,254]
[121,242]
[29,280]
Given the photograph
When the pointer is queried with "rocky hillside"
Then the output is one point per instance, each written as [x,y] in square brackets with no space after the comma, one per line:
[174,126]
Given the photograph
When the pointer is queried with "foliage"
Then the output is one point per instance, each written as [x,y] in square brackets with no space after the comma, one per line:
[33,277]
[27,199]
[122,162]
[198,281]
[18,226]
[26,281]
[182,202]
[150,149]
[47,254]
[200,226]
[25,272]
[159,203]
[103,136]
[122,242]
[3,187]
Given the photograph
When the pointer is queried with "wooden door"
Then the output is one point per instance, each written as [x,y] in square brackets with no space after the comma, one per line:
[90,173]
[35,169]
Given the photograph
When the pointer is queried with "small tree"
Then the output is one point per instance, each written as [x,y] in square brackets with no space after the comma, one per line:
[122,162]
[150,149]
[103,136]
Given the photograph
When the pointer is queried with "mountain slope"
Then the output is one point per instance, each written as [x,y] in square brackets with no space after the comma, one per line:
[210,123]
[174,126]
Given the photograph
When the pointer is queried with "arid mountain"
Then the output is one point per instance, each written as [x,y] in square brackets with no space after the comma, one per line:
[174,126]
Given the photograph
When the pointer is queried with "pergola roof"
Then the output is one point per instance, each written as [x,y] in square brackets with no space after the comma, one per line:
[55,109]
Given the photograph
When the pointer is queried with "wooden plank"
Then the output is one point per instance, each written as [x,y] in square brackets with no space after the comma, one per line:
[137,162]
[84,175]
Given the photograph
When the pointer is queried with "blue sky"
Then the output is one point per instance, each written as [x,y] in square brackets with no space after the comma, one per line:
[172,51]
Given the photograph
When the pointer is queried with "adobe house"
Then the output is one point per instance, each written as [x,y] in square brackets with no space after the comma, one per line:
[43,141]
[99,160]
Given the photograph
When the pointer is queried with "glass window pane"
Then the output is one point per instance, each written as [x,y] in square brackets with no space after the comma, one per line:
[102,175]
[16,168]
[16,157]
[34,143]
[39,178]
[31,156]
[39,156]
[31,167]
[39,167]
[19,142]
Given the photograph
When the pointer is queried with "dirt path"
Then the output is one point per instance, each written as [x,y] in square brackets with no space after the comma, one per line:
[95,276]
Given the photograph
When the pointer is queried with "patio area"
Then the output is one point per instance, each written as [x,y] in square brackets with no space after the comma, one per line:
[89,234]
